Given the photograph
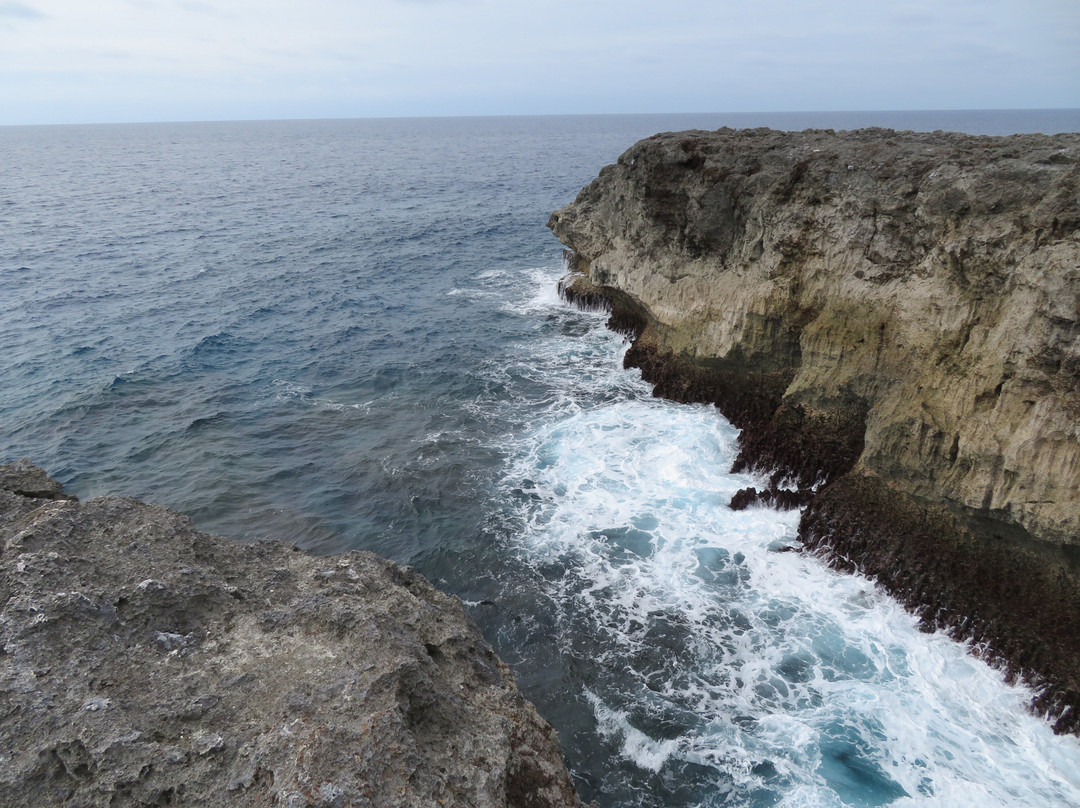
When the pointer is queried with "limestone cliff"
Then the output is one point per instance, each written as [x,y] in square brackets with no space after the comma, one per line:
[145,663]
[893,319]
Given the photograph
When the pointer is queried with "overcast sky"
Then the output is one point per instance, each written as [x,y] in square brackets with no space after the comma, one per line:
[165,60]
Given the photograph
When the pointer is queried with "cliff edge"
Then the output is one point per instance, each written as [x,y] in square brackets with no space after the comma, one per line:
[893,320]
[145,663]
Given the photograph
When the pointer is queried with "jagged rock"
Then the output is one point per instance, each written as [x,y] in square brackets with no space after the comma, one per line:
[145,663]
[28,480]
[885,315]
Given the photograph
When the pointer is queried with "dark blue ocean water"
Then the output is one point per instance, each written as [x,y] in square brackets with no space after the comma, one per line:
[345,334]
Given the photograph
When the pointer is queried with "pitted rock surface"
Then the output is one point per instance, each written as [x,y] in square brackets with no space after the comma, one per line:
[893,321]
[923,285]
[145,663]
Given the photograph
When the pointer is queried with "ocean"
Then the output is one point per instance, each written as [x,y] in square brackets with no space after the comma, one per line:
[345,334]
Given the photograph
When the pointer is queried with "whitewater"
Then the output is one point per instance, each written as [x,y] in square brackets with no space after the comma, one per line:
[727,668]
[346,334]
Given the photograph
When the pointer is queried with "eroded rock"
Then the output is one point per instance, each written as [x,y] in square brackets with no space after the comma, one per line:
[145,663]
[896,310]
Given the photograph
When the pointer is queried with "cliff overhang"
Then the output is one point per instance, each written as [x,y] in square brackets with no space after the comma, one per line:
[893,321]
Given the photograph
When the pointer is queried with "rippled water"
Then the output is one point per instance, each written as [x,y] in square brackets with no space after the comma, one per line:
[345,334]
[715,666]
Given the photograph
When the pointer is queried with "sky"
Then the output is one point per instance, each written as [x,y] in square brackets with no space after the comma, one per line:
[89,61]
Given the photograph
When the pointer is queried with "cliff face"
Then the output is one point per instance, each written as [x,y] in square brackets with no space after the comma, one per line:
[896,315]
[145,663]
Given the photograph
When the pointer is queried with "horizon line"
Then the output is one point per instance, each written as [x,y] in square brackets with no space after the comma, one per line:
[167,122]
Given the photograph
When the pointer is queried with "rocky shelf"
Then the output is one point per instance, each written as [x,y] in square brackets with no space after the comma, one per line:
[145,663]
[893,321]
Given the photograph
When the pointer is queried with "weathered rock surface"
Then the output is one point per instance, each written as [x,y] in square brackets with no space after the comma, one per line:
[145,663]
[891,317]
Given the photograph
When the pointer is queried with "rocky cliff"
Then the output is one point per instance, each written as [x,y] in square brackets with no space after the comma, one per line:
[145,663]
[893,319]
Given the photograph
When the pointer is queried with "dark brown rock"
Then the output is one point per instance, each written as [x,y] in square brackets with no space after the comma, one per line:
[1018,611]
[891,319]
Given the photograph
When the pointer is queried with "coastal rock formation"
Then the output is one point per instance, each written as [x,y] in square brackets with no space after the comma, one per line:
[145,663]
[893,320]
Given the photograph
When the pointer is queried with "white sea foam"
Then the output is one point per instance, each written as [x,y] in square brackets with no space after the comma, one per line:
[780,675]
[499,283]
[290,391]
[542,294]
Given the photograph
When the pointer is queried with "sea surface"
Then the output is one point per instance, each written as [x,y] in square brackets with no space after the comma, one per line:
[346,334]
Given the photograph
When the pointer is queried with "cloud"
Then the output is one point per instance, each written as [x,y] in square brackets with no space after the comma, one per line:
[195,7]
[20,11]
[284,58]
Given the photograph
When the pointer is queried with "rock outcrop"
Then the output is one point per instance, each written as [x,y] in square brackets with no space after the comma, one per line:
[893,320]
[145,663]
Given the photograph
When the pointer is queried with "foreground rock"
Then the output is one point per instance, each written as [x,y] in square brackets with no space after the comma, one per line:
[893,319]
[145,663]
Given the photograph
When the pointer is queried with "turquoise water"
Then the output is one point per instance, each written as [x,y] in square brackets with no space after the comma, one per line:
[345,334]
